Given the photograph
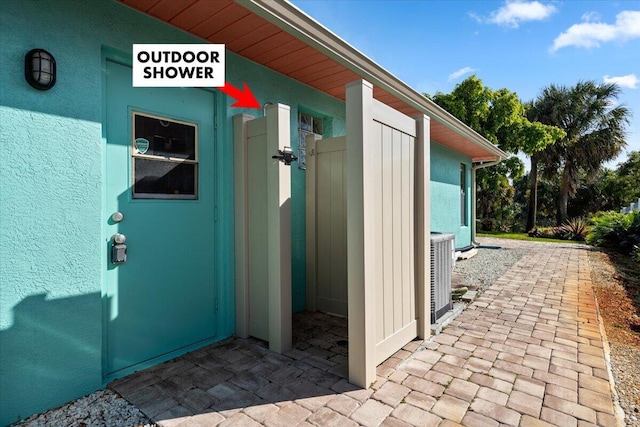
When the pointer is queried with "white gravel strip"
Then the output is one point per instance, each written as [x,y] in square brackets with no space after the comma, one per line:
[625,364]
[104,408]
[480,271]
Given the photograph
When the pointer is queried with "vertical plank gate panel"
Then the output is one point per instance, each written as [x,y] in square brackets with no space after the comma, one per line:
[387,232]
[396,227]
[386,156]
[338,230]
[396,261]
[326,225]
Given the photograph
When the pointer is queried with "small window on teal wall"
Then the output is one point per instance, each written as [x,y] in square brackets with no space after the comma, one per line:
[165,158]
[307,125]
[463,195]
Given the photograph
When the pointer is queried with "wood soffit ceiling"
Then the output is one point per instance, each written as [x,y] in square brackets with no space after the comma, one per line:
[250,36]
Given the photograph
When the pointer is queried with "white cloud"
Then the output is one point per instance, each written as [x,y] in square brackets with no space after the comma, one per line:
[476,17]
[630,80]
[461,72]
[591,17]
[591,34]
[516,11]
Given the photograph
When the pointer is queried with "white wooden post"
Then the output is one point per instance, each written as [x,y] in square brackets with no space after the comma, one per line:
[269,277]
[423,226]
[361,289]
[311,220]
[279,229]
[240,156]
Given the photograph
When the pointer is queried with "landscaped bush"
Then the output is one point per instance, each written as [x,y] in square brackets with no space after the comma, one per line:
[573,229]
[509,227]
[615,230]
[487,224]
[546,232]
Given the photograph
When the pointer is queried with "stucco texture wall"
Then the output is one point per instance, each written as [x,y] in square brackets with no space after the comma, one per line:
[52,251]
[445,193]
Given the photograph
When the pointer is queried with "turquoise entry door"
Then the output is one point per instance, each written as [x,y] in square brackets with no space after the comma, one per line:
[160,194]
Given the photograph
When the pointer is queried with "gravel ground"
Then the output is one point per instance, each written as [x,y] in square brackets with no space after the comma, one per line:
[614,290]
[626,371]
[104,408]
[482,270]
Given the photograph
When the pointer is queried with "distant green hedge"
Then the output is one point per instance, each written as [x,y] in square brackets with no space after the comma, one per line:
[617,231]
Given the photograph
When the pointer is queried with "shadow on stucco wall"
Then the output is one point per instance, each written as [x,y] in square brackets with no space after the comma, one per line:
[49,354]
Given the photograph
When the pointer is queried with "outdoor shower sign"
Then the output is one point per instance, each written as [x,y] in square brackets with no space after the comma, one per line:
[178,65]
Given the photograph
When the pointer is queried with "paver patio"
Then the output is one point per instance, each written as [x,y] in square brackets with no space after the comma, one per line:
[528,352]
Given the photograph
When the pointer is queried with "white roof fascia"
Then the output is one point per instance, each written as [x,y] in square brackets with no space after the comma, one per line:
[294,21]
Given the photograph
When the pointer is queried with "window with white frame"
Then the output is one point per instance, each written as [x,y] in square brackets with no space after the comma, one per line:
[307,125]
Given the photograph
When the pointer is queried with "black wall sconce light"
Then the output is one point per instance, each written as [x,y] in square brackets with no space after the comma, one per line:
[40,69]
[286,156]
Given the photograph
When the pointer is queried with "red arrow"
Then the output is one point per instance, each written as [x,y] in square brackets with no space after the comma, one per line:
[245,99]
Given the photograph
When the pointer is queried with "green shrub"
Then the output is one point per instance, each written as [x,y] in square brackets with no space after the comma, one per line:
[615,230]
[573,229]
[487,224]
[547,232]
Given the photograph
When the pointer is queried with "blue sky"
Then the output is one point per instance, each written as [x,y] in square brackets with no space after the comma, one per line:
[521,45]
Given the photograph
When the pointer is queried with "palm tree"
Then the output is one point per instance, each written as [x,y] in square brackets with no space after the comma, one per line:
[595,132]
[547,135]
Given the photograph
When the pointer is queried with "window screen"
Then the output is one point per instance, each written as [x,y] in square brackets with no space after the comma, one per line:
[164,157]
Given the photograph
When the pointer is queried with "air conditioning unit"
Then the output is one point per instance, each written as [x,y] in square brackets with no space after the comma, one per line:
[442,254]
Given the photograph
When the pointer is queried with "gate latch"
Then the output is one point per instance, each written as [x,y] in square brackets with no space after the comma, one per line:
[286,156]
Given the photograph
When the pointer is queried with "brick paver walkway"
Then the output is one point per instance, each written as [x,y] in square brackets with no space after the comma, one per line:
[528,352]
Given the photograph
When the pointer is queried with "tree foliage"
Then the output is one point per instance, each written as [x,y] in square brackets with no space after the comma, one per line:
[622,185]
[495,193]
[568,133]
[608,190]
[594,129]
[500,117]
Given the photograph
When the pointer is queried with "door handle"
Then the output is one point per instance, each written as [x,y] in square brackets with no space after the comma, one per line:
[117,217]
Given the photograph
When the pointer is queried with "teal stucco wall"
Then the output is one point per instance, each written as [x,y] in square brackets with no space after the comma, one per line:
[52,251]
[445,193]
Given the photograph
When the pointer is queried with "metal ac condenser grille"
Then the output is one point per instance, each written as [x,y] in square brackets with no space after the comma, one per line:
[441,266]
